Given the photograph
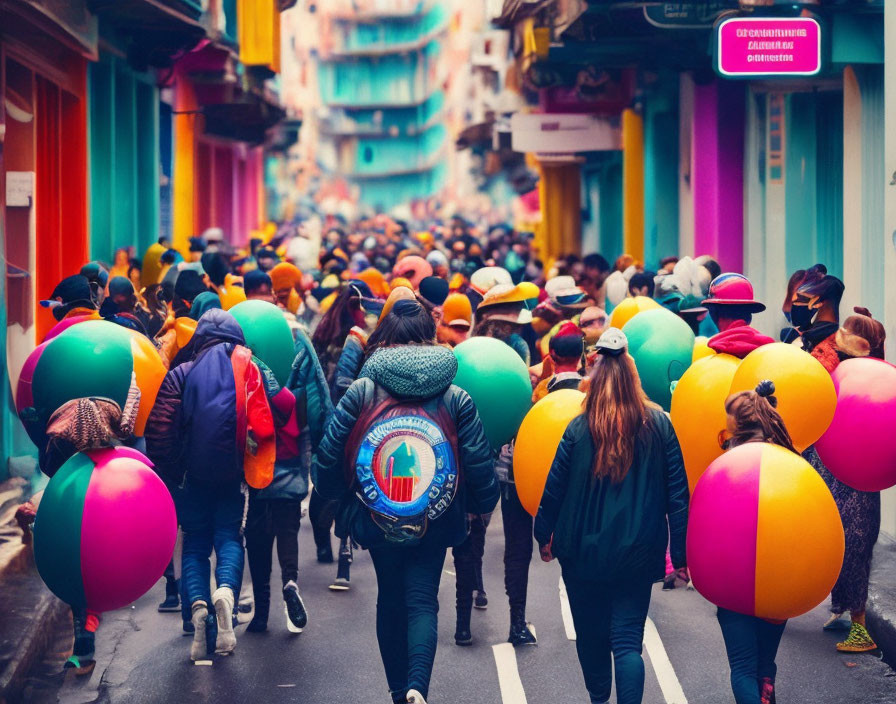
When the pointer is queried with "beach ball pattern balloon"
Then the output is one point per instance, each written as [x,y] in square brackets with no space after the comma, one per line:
[105,529]
[698,411]
[805,392]
[858,447]
[538,440]
[629,308]
[94,358]
[764,534]
[268,336]
[662,346]
[497,380]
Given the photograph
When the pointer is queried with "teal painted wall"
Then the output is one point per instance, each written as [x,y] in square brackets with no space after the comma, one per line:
[660,184]
[386,193]
[814,181]
[610,217]
[123,117]
[368,35]
[390,154]
[407,120]
[874,242]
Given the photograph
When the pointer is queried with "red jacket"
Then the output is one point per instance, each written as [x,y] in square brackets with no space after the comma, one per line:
[739,341]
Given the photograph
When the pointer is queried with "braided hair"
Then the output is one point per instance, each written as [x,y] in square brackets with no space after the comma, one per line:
[756,418]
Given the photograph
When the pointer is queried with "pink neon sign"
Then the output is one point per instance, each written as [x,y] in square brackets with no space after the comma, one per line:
[784,46]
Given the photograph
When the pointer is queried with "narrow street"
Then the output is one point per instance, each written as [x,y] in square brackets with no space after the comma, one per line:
[141,656]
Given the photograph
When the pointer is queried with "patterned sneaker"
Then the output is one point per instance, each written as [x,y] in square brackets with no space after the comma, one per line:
[858,641]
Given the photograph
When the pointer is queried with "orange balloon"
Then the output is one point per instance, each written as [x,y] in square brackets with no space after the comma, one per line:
[629,308]
[150,372]
[537,442]
[230,295]
[806,395]
[698,411]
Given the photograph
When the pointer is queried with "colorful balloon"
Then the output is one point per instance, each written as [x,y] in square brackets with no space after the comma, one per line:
[764,534]
[267,335]
[538,440]
[92,358]
[498,382]
[701,348]
[105,529]
[698,411]
[805,392]
[662,345]
[66,323]
[629,308]
[857,446]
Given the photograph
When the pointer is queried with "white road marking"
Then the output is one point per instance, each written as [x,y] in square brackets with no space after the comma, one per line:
[662,668]
[512,691]
[566,613]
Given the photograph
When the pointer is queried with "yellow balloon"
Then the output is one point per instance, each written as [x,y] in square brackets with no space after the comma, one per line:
[537,442]
[629,308]
[698,411]
[231,295]
[806,395]
[701,349]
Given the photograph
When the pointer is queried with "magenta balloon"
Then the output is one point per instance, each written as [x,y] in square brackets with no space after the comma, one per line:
[128,529]
[722,523]
[858,446]
[24,388]
[65,324]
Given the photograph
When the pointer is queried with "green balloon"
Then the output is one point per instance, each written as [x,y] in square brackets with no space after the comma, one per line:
[267,335]
[498,382]
[661,344]
[92,358]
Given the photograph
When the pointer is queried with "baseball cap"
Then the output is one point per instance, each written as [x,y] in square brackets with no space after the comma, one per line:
[613,342]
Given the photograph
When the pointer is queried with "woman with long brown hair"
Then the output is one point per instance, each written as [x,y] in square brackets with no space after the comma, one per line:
[615,492]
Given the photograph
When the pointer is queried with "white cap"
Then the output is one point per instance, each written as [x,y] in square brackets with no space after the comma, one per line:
[612,342]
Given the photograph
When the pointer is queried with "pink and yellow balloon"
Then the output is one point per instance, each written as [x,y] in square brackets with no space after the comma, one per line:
[764,534]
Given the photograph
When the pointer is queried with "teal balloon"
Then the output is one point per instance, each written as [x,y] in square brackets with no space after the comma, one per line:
[92,358]
[268,336]
[662,345]
[497,380]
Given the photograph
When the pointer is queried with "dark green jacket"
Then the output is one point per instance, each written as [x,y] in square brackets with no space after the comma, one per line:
[616,532]
[409,372]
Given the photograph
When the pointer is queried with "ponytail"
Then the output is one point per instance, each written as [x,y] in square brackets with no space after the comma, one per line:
[756,418]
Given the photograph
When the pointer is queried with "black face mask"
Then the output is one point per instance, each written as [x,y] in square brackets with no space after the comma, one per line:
[802,317]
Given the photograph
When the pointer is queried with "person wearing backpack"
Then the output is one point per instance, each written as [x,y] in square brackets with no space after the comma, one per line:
[211,413]
[615,494]
[406,457]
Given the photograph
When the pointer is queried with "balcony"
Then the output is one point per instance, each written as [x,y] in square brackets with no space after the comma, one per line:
[392,36]
[369,122]
[380,157]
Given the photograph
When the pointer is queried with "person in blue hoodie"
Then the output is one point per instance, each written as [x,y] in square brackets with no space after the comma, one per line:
[208,410]
[408,370]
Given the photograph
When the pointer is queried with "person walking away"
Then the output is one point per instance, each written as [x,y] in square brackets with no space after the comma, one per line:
[752,642]
[275,511]
[209,413]
[406,384]
[620,456]
[860,336]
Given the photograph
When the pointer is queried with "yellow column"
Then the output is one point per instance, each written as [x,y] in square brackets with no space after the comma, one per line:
[633,184]
[561,208]
[259,33]
[183,171]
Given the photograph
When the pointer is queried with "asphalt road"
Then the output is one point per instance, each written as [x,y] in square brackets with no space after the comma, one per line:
[142,657]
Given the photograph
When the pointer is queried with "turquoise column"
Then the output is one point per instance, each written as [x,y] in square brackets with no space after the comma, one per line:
[610,184]
[660,181]
[871,82]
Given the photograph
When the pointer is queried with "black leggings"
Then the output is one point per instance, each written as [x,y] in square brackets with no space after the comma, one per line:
[269,520]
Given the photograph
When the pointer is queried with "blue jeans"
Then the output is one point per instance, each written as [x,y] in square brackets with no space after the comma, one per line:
[752,644]
[609,618]
[407,608]
[210,518]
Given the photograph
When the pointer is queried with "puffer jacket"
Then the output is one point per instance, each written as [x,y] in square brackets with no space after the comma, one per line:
[307,383]
[409,372]
[193,426]
[616,532]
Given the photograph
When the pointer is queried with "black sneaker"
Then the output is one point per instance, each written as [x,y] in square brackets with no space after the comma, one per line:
[480,600]
[188,628]
[325,555]
[296,615]
[522,634]
[463,637]
[172,597]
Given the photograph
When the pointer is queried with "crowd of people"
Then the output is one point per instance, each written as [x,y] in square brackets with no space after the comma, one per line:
[375,313]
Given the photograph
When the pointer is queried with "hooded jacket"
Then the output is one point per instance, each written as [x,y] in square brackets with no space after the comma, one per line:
[616,532]
[194,427]
[409,373]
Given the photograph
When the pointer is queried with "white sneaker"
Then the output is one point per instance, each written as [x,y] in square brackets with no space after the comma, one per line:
[294,607]
[197,647]
[223,601]
[414,697]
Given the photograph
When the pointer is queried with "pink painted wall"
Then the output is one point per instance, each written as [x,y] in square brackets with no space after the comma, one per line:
[717,156]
